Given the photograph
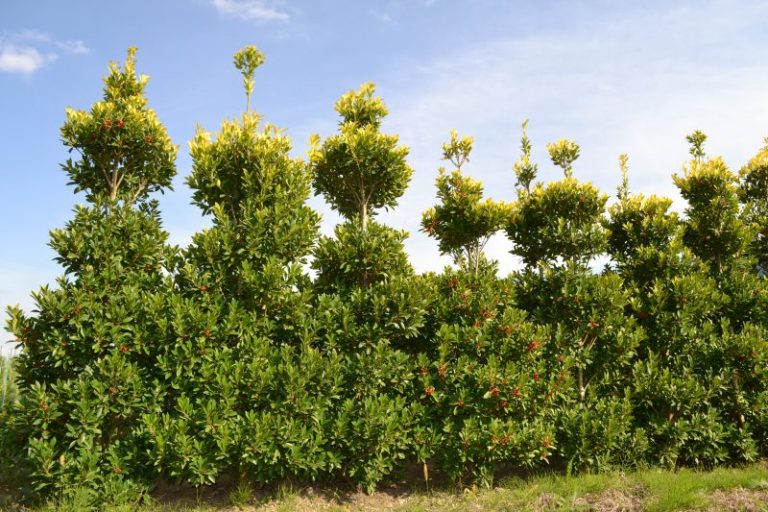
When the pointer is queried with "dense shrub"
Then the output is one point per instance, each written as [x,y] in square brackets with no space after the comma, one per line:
[264,351]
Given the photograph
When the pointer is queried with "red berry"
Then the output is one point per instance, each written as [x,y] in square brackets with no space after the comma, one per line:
[536,376]
[429,390]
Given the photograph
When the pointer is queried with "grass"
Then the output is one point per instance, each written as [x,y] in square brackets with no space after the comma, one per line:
[654,490]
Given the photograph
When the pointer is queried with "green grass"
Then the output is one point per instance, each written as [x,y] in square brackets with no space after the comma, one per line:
[688,489]
[652,490]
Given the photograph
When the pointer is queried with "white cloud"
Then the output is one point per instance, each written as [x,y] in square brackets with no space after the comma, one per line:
[24,59]
[27,51]
[77,46]
[254,10]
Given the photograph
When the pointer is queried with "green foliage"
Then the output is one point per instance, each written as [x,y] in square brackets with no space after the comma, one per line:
[638,223]
[696,140]
[558,221]
[8,390]
[641,233]
[357,258]
[9,395]
[360,169]
[487,391]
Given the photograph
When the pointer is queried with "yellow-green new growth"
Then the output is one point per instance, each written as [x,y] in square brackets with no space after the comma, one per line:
[247,59]
[123,152]
[123,84]
[458,149]
[563,153]
[361,106]
[623,192]
[696,140]
[524,169]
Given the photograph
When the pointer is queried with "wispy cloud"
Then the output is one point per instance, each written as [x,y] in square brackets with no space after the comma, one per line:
[253,10]
[382,16]
[27,51]
[73,46]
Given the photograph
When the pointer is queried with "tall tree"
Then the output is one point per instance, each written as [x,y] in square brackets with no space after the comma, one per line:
[251,393]
[370,303]
[557,229]
[87,368]
[713,229]
[463,222]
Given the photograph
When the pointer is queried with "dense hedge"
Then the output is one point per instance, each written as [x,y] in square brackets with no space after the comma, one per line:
[228,360]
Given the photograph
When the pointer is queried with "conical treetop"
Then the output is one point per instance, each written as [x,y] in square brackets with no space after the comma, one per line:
[125,152]
[360,170]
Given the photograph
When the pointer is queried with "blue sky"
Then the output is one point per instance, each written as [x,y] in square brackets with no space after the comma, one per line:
[616,77]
